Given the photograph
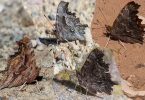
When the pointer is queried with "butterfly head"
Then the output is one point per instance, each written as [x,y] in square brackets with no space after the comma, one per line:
[108,30]
[24,41]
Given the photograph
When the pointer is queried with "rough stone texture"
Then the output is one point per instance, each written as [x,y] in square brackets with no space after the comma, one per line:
[12,29]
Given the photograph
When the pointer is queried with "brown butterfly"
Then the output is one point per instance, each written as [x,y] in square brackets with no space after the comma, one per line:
[21,66]
[94,75]
[127,27]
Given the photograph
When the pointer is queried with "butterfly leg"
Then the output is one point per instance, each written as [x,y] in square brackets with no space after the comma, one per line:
[22,86]
[87,94]
[37,84]
[107,42]
[57,42]
[67,41]
[122,45]
[76,86]
[86,91]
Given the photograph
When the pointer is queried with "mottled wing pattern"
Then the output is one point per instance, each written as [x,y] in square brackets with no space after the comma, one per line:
[127,27]
[21,66]
[68,27]
[94,75]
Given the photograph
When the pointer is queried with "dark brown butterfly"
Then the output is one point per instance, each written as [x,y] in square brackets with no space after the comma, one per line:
[68,27]
[127,27]
[94,76]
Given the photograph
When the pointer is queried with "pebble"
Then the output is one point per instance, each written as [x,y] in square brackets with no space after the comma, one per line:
[1,7]
[116,97]
[34,43]
[26,19]
[40,47]
[44,58]
[52,16]
[65,97]
[1,56]
[3,64]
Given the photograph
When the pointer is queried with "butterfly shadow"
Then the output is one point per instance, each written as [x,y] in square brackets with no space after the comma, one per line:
[55,41]
[74,86]
[38,79]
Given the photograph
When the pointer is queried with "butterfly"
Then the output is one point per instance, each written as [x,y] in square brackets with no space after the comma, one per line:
[94,75]
[21,66]
[127,27]
[98,74]
[68,26]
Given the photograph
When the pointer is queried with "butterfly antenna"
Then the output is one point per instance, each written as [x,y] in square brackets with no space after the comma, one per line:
[98,27]
[49,21]
[103,14]
[105,27]
[45,1]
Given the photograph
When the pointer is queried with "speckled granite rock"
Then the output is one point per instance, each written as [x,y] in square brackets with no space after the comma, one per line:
[12,29]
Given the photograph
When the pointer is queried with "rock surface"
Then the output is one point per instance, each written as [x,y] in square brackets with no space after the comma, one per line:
[12,29]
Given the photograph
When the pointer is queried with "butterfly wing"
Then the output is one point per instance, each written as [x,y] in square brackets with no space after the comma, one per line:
[68,27]
[94,75]
[127,27]
[21,66]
